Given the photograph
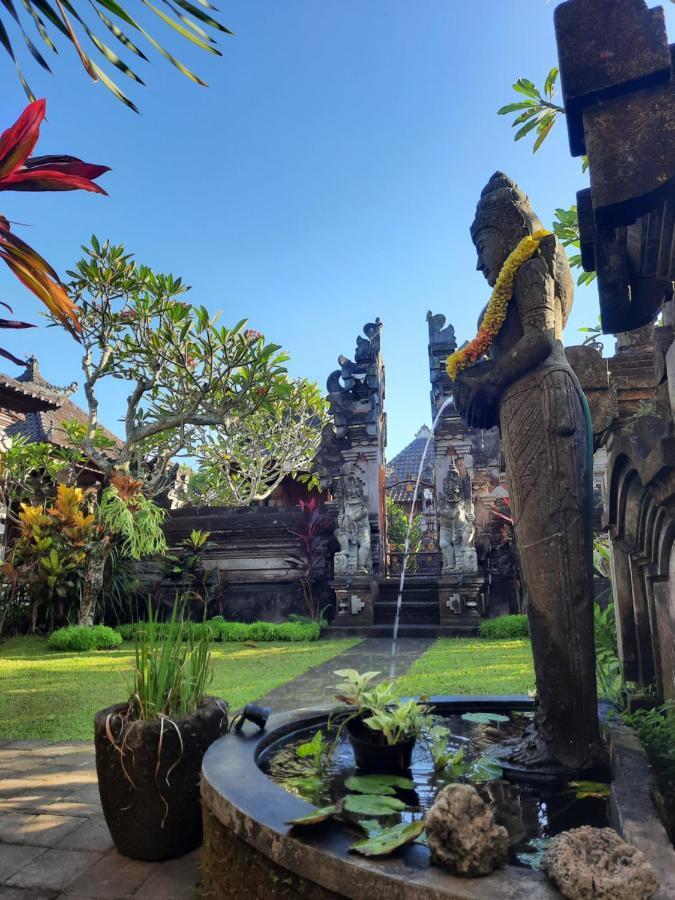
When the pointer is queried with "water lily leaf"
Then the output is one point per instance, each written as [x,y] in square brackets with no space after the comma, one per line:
[389,839]
[484,769]
[484,718]
[372,805]
[378,784]
[598,789]
[314,818]
[370,826]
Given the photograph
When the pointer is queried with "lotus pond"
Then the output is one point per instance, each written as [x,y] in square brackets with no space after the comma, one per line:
[385,812]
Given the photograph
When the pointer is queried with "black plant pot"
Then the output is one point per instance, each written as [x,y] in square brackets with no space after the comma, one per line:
[372,752]
[148,818]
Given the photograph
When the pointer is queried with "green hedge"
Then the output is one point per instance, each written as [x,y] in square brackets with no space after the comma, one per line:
[80,638]
[504,627]
[259,632]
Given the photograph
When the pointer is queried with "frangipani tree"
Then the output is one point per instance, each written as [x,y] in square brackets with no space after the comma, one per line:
[193,382]
[249,459]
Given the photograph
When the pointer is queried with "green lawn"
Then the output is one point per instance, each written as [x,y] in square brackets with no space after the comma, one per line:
[54,696]
[467,666]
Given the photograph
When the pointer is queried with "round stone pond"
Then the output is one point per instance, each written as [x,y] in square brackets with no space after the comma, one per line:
[253,783]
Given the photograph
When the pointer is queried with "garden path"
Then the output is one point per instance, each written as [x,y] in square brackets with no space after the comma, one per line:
[53,838]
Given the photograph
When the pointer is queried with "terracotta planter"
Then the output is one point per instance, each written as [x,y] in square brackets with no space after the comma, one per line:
[148,818]
[372,752]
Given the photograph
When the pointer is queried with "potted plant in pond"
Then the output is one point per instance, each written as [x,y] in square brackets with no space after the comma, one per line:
[382,731]
[149,750]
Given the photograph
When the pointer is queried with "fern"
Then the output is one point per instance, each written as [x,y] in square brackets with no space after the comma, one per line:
[137,522]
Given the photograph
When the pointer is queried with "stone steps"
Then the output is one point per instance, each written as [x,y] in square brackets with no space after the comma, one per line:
[462,628]
[413,612]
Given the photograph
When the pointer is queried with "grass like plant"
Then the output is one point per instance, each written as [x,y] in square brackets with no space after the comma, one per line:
[172,668]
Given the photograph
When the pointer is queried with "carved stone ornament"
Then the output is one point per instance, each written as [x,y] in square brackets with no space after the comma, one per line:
[456,529]
[353,531]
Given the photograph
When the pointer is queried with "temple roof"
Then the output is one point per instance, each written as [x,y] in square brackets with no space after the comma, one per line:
[46,424]
[403,468]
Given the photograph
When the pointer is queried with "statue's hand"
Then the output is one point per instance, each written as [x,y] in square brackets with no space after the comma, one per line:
[477,398]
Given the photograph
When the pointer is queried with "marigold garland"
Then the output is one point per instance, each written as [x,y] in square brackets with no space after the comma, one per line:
[495,314]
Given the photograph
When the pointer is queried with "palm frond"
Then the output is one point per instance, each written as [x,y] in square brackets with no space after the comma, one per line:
[193,21]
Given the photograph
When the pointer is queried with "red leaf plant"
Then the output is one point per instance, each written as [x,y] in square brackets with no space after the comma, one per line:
[19,171]
[309,561]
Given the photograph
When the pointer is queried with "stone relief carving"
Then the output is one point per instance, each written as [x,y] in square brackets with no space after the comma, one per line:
[456,528]
[353,530]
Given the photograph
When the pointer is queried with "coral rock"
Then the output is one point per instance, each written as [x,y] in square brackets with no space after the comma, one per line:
[596,864]
[462,834]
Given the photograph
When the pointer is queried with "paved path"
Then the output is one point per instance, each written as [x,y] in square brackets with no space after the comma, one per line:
[53,838]
[317,687]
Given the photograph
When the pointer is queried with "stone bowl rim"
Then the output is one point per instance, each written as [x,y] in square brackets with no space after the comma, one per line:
[248,803]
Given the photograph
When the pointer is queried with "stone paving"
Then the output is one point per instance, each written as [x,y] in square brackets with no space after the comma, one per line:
[53,839]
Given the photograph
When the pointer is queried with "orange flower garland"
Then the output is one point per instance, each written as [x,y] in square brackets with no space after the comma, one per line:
[495,314]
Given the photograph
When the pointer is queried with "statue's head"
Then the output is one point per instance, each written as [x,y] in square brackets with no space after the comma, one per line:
[503,218]
[353,488]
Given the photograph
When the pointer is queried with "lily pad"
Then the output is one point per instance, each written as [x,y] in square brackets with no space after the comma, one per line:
[389,839]
[484,769]
[378,784]
[484,718]
[314,818]
[372,805]
[598,789]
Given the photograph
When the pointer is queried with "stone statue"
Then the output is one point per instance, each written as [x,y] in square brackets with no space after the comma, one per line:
[456,531]
[353,531]
[529,389]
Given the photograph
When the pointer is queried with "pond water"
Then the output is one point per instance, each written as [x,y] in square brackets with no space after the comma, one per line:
[532,812]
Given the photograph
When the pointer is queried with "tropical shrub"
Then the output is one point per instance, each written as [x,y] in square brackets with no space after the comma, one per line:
[218,629]
[397,528]
[656,730]
[503,628]
[81,638]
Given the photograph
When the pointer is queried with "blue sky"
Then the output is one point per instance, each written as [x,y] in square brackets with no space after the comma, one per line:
[327,176]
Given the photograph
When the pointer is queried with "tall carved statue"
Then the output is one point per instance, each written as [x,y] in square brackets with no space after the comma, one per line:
[456,531]
[529,389]
[353,531]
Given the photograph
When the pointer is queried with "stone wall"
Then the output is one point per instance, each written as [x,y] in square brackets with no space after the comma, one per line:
[252,547]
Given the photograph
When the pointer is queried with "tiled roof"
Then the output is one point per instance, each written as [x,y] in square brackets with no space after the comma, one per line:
[47,425]
[403,468]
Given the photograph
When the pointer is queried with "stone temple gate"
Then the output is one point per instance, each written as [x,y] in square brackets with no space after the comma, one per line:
[466,569]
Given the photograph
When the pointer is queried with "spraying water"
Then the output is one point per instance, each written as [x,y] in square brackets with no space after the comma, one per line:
[406,546]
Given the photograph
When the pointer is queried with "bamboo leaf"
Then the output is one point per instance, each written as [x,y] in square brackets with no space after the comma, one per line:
[551,79]
[202,16]
[40,25]
[545,126]
[514,107]
[119,34]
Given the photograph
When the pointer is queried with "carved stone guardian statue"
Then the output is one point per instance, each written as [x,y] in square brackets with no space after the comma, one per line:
[456,531]
[529,389]
[353,531]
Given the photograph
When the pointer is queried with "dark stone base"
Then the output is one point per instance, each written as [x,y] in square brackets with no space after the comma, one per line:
[233,870]
[460,597]
[355,600]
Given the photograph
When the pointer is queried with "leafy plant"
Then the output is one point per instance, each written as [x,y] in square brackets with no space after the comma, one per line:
[485,718]
[186,566]
[81,638]
[584,789]
[171,670]
[317,750]
[656,730]
[566,227]
[21,172]
[309,562]
[68,18]
[399,721]
[397,529]
[356,687]
[537,113]
[133,518]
